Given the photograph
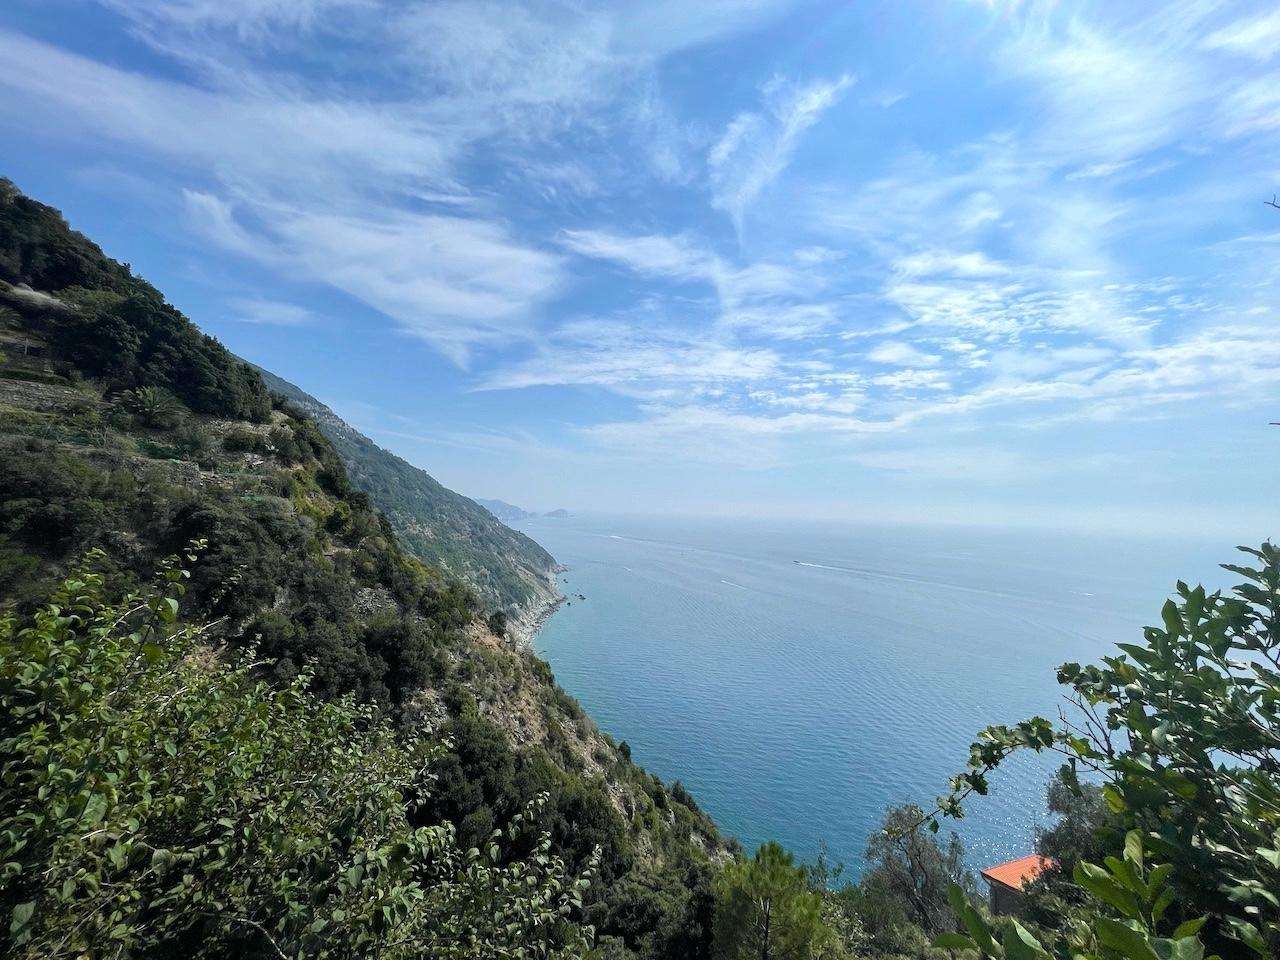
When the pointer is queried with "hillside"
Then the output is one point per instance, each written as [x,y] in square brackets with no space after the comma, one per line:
[123,428]
[508,571]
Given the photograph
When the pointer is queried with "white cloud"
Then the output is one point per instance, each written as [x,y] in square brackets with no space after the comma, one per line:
[776,300]
[455,282]
[655,255]
[214,218]
[757,146]
[274,313]
[635,358]
[928,263]
[1255,37]
[913,380]
[899,354]
[1253,107]
[298,172]
[243,16]
[1105,93]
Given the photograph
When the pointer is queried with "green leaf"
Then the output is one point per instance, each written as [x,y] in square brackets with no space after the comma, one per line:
[1186,948]
[1189,928]
[22,915]
[972,920]
[1019,944]
[94,810]
[1114,799]
[954,941]
[1270,856]
[1103,886]
[1133,848]
[1125,940]
[1248,934]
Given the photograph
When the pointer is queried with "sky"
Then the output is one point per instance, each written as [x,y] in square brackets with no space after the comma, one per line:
[903,260]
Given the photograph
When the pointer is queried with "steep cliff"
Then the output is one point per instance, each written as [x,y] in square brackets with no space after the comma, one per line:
[508,571]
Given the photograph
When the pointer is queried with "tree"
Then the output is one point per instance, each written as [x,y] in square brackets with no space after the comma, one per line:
[765,910]
[1183,732]
[1086,831]
[911,868]
[498,624]
[157,801]
[1086,828]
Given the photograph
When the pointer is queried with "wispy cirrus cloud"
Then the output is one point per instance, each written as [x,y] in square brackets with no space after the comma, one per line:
[777,299]
[638,360]
[242,16]
[757,145]
[1257,37]
[271,313]
[326,173]
[1054,227]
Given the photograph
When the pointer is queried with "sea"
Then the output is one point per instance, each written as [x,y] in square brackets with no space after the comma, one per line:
[799,678]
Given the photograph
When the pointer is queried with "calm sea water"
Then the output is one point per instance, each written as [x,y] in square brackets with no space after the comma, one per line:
[799,678]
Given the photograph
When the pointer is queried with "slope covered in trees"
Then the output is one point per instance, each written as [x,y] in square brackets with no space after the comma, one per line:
[175,805]
[104,445]
[509,571]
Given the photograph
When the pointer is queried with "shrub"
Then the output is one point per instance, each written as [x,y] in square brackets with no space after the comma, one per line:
[191,440]
[153,406]
[1183,731]
[1138,895]
[244,440]
[156,801]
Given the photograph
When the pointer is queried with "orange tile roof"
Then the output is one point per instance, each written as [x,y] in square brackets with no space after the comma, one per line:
[1018,873]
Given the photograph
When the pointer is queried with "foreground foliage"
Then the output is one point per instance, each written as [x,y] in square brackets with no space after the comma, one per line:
[1139,897]
[159,802]
[1183,732]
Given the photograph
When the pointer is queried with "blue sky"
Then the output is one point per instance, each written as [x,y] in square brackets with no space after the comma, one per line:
[958,261]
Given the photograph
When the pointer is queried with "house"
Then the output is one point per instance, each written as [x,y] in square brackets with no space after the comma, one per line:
[1006,881]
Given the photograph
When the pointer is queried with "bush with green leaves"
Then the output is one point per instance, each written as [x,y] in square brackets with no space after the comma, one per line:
[153,406]
[1183,733]
[156,800]
[1130,903]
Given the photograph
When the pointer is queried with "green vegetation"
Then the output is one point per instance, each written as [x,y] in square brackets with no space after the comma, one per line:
[765,910]
[509,572]
[1139,899]
[114,326]
[1183,733]
[160,802]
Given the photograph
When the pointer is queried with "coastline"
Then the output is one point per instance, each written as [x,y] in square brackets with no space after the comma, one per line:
[543,611]
[542,616]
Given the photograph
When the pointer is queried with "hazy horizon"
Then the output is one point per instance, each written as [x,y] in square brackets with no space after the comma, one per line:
[992,262]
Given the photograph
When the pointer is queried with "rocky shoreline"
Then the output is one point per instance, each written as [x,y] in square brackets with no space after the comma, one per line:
[543,615]
[526,628]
